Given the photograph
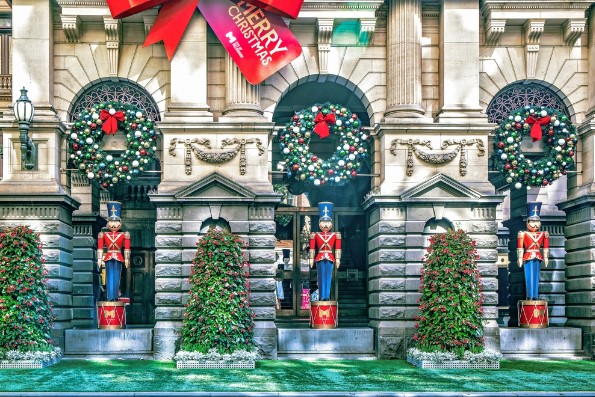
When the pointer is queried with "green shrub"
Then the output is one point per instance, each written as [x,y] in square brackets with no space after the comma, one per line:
[25,313]
[450,318]
[218,315]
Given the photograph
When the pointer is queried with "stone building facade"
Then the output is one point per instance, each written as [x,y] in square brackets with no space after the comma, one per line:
[429,77]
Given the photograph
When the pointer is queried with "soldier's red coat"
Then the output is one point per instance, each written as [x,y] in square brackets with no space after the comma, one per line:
[113,241]
[325,243]
[532,242]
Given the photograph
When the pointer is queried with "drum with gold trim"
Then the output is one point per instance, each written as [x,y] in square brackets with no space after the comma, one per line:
[533,314]
[111,315]
[323,314]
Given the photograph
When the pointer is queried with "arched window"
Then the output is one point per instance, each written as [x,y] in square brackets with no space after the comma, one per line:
[521,94]
[218,224]
[122,90]
[435,226]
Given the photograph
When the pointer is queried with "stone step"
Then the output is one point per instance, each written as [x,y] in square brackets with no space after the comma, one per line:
[354,341]
[541,341]
[120,343]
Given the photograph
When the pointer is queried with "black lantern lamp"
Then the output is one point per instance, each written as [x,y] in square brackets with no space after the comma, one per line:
[24,112]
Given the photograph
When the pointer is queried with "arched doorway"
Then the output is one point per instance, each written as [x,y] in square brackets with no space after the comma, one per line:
[297,217]
[138,215]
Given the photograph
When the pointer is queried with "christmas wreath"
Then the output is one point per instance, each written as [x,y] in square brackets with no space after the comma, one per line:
[326,120]
[108,118]
[548,125]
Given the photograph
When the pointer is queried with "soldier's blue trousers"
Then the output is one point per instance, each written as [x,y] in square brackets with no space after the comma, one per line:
[532,278]
[325,273]
[113,269]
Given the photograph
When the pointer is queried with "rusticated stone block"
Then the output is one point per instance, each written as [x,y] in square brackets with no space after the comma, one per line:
[167,241]
[261,242]
[391,227]
[387,270]
[262,299]
[57,285]
[391,347]
[169,313]
[262,284]
[486,242]
[168,256]
[261,256]
[387,313]
[264,313]
[267,346]
[489,284]
[168,270]
[387,298]
[168,227]
[484,227]
[262,227]
[51,255]
[168,284]
[164,299]
[387,284]
[391,241]
[258,270]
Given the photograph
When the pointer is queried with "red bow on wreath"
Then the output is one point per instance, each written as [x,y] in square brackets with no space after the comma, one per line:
[110,122]
[536,126]
[321,127]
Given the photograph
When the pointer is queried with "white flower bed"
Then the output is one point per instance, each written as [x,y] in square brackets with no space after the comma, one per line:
[40,359]
[446,360]
[213,359]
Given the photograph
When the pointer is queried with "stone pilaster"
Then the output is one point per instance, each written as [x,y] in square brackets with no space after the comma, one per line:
[403,60]
[261,256]
[459,62]
[51,217]
[325,36]
[533,29]
[188,102]
[242,98]
[170,279]
[552,278]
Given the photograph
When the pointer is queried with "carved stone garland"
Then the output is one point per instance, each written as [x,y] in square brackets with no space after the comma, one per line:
[414,146]
[191,146]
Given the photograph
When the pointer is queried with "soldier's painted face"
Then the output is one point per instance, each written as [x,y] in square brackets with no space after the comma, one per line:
[325,226]
[533,225]
[114,225]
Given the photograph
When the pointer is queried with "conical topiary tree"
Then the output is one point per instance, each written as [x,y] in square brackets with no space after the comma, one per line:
[218,315]
[450,318]
[26,317]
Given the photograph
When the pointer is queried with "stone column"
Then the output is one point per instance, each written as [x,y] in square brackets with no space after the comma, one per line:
[32,54]
[242,99]
[552,278]
[188,102]
[403,64]
[459,66]
[51,217]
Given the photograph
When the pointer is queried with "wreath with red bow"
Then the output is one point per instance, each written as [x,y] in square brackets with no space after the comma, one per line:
[328,121]
[548,125]
[86,135]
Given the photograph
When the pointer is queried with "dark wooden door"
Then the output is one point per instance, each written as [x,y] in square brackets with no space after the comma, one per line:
[140,286]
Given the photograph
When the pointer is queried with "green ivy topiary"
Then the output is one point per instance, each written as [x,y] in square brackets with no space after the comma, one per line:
[450,318]
[218,315]
[26,317]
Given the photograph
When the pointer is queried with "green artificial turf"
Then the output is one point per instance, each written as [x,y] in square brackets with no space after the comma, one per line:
[297,375]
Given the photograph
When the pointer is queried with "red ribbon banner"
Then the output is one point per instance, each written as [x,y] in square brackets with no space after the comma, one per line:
[174,16]
[321,127]
[110,122]
[536,124]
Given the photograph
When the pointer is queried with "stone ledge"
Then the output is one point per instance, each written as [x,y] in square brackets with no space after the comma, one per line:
[108,342]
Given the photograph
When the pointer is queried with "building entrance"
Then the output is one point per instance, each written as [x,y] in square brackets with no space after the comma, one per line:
[296,282]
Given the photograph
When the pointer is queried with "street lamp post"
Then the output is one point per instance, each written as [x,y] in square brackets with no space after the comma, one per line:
[24,112]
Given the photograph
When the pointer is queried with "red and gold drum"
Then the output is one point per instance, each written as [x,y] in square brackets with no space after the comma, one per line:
[533,314]
[111,315]
[323,314]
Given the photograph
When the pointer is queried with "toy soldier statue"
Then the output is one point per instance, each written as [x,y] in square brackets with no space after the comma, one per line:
[533,312]
[114,241]
[325,250]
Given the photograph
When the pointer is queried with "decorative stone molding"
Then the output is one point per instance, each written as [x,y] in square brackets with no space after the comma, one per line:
[242,98]
[148,21]
[71,24]
[325,35]
[112,42]
[413,146]
[572,30]
[494,29]
[533,29]
[191,146]
[367,28]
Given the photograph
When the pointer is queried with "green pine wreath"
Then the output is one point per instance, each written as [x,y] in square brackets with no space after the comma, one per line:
[88,130]
[559,138]
[341,124]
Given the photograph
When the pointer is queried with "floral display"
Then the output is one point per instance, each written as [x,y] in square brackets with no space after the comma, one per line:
[551,127]
[328,121]
[87,133]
